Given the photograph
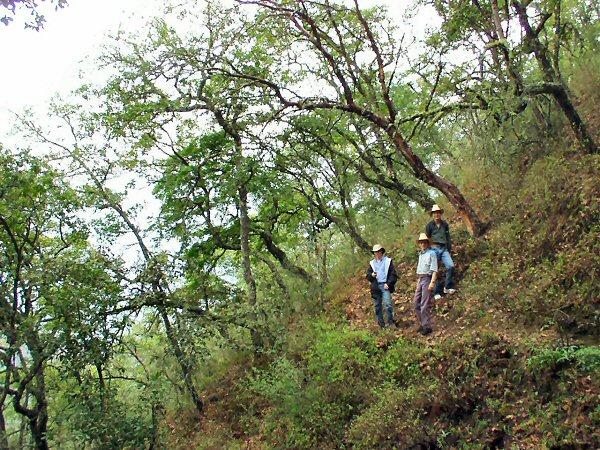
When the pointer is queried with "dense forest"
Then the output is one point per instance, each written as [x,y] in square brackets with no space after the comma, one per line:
[184,243]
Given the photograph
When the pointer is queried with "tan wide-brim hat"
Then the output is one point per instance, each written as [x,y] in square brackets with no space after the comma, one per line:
[436,208]
[377,248]
[423,237]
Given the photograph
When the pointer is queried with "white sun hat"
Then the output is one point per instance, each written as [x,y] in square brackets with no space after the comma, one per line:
[377,247]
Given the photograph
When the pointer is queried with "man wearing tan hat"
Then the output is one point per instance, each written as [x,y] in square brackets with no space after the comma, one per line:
[438,231]
[382,276]
[427,268]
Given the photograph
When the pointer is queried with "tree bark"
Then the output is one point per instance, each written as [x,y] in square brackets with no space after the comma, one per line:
[282,257]
[472,221]
[278,278]
[3,437]
[37,417]
[38,427]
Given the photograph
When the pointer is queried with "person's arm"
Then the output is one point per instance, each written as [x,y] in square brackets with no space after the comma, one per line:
[433,267]
[418,260]
[370,274]
[431,286]
[448,241]
[392,276]
[428,229]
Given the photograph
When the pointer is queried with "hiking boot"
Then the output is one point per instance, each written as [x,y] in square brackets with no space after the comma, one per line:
[449,291]
[437,297]
[392,325]
[425,331]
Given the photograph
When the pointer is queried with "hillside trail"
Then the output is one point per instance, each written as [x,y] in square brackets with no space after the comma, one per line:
[454,316]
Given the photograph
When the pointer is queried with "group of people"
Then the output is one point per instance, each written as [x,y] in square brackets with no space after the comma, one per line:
[435,247]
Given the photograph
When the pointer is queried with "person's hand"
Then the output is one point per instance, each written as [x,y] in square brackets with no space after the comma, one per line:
[386,287]
[431,286]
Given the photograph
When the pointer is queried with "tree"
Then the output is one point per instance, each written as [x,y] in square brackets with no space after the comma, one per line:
[168,79]
[55,289]
[31,6]
[335,36]
[489,30]
[97,166]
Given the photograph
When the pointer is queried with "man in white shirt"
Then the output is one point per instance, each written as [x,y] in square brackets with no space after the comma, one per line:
[382,276]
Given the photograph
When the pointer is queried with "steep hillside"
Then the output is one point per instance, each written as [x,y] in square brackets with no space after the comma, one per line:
[513,362]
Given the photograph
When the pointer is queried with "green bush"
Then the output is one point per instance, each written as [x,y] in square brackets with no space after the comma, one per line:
[341,355]
[395,420]
[587,359]
[308,402]
[401,362]
[101,419]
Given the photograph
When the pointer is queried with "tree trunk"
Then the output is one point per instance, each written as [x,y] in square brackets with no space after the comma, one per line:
[3,437]
[186,370]
[38,427]
[472,221]
[323,278]
[38,424]
[278,278]
[352,227]
[282,257]
[578,126]
[358,239]
[245,241]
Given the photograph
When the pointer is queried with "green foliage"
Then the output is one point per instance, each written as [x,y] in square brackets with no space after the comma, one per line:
[395,419]
[341,355]
[103,417]
[314,398]
[595,416]
[402,361]
[18,8]
[113,346]
[301,416]
[586,359]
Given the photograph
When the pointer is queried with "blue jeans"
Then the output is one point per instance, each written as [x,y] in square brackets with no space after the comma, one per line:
[386,298]
[444,257]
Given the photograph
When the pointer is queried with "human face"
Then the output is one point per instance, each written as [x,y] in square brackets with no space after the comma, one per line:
[378,254]
[423,245]
[437,216]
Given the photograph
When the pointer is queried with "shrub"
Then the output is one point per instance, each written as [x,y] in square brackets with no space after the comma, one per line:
[307,403]
[394,420]
[402,360]
[341,355]
[587,359]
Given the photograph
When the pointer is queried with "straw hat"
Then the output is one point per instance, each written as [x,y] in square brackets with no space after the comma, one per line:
[377,247]
[436,208]
[423,237]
